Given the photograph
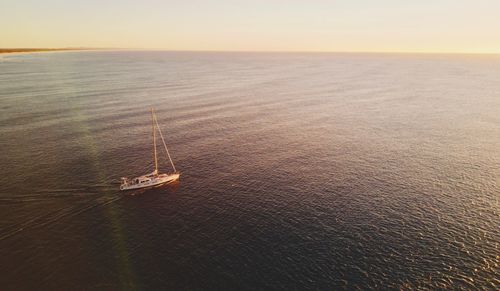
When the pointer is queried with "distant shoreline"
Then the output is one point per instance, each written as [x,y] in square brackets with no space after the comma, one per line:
[16,51]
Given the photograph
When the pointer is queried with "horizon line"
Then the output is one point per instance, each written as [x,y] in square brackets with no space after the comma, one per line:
[75,48]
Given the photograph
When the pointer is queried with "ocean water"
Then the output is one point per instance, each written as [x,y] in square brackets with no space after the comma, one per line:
[299,171]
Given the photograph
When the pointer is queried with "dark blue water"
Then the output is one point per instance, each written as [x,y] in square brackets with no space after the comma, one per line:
[299,171]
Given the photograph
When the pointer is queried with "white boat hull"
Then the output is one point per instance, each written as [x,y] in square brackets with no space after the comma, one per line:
[151,182]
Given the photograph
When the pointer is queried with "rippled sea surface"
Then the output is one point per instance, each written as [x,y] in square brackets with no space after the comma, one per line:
[299,171]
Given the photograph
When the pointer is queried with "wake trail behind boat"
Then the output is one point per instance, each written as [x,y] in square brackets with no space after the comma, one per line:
[50,218]
[48,194]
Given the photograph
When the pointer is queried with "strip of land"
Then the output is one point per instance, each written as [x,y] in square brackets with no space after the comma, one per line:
[34,50]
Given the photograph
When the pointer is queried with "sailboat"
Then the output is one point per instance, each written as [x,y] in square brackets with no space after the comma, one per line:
[154,178]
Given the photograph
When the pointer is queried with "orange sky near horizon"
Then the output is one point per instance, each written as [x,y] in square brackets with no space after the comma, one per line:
[438,26]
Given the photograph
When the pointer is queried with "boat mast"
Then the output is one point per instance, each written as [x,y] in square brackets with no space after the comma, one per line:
[164,144]
[154,140]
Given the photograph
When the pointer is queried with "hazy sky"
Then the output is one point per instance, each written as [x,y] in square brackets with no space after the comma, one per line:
[255,25]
